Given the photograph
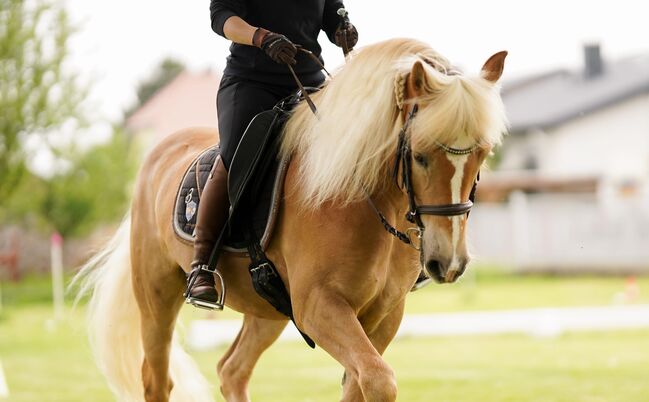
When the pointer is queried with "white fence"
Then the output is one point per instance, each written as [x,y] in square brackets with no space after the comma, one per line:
[539,322]
[563,232]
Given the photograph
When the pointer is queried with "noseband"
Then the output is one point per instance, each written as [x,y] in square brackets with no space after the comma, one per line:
[403,160]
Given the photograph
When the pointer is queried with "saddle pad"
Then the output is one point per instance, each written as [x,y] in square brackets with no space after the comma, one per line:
[264,209]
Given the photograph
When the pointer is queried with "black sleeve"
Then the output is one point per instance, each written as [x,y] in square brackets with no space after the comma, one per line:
[330,18]
[221,10]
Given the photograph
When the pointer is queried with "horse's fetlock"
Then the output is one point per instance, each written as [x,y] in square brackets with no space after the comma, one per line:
[378,382]
[233,379]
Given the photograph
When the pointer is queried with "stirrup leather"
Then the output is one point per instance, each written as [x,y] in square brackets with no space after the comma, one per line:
[204,304]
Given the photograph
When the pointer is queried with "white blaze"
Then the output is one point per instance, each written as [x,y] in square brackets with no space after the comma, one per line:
[458,162]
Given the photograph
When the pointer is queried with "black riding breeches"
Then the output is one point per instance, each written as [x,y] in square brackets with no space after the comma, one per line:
[237,102]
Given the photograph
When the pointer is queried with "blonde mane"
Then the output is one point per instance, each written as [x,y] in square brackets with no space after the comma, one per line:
[344,153]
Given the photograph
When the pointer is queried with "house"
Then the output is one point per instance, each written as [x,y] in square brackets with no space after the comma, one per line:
[571,190]
[589,122]
[189,100]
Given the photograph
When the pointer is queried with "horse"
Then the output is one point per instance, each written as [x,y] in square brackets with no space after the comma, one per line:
[347,276]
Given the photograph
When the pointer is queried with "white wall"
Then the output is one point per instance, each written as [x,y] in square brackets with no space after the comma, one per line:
[607,232]
[612,143]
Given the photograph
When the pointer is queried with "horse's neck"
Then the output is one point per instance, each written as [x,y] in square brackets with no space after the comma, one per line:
[350,237]
[393,204]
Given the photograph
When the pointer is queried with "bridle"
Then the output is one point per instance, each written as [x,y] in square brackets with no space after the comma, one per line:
[403,162]
[403,159]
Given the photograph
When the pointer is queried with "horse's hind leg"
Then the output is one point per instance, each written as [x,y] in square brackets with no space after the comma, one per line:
[158,286]
[235,368]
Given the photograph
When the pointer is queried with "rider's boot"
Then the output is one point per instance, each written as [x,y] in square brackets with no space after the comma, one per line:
[211,217]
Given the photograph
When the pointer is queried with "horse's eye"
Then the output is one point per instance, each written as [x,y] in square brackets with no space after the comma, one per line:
[421,159]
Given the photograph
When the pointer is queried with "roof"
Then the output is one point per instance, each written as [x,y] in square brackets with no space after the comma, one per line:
[188,100]
[556,97]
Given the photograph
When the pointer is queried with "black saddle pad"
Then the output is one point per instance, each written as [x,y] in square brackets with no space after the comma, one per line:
[189,193]
[259,209]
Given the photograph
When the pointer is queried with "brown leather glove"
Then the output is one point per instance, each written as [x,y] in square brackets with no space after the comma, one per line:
[277,46]
[352,35]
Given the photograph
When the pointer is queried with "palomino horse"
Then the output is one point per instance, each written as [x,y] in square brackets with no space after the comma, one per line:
[346,275]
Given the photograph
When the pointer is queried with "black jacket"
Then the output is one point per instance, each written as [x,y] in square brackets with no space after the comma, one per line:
[300,20]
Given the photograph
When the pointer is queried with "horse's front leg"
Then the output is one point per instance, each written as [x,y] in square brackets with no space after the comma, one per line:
[328,318]
[380,337]
[235,368]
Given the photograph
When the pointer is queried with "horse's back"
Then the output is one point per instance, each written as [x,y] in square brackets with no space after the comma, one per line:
[181,146]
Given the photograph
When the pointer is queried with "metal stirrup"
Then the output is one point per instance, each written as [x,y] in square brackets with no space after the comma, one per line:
[207,305]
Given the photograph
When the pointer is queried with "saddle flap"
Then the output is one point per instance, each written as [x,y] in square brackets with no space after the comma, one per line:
[249,151]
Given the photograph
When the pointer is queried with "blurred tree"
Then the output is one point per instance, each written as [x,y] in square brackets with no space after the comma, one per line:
[167,70]
[37,95]
[94,190]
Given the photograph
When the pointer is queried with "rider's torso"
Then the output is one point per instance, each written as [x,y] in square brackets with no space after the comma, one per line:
[299,20]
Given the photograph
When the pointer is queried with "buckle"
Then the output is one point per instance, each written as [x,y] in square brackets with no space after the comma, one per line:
[419,233]
[263,265]
[206,268]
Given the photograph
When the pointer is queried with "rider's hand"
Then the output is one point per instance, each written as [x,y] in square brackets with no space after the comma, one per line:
[278,47]
[352,35]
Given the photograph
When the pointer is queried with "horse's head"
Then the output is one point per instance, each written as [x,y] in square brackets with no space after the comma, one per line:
[347,151]
[457,122]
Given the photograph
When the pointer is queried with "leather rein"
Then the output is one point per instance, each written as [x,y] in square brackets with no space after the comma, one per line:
[403,162]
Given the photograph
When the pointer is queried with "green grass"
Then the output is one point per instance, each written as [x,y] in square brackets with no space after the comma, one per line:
[44,361]
[489,289]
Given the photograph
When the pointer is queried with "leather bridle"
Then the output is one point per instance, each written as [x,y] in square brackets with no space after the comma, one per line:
[403,162]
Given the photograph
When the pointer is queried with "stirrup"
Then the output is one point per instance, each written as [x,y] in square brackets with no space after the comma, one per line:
[204,304]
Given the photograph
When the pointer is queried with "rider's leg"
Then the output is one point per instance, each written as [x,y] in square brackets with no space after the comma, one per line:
[211,217]
[238,101]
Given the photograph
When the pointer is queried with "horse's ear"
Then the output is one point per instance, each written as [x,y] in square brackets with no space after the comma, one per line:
[417,80]
[493,68]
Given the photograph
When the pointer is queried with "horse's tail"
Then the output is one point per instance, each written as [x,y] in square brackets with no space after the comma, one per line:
[114,327]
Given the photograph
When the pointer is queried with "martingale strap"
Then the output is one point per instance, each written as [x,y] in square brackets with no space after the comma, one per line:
[389,228]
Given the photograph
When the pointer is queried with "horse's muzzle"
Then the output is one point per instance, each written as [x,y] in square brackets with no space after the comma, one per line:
[440,272]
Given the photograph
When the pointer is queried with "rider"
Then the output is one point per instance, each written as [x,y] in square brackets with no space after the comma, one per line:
[264,35]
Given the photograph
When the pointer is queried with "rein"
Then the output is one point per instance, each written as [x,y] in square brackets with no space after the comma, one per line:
[299,83]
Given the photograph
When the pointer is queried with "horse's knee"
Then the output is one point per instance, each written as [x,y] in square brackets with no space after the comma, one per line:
[377,381]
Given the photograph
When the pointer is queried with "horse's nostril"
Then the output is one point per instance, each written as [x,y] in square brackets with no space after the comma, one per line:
[434,270]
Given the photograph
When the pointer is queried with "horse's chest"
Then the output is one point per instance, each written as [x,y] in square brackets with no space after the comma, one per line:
[387,299]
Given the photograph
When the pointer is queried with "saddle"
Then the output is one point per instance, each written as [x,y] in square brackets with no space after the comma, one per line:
[262,212]
[255,185]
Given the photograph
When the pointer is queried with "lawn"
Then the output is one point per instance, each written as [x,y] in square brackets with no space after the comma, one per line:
[47,361]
